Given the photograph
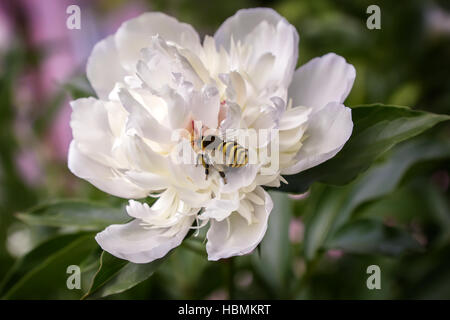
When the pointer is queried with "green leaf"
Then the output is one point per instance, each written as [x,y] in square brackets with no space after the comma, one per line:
[116,275]
[34,258]
[384,178]
[325,205]
[331,207]
[377,128]
[372,237]
[74,214]
[274,259]
[44,269]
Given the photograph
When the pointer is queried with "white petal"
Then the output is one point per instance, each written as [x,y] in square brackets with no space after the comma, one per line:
[239,178]
[160,213]
[205,106]
[265,31]
[137,33]
[141,157]
[91,127]
[147,180]
[234,236]
[142,121]
[321,81]
[134,243]
[293,118]
[232,118]
[220,209]
[103,177]
[161,61]
[328,130]
[103,67]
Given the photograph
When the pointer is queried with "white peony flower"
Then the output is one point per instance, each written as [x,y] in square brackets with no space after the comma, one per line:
[153,78]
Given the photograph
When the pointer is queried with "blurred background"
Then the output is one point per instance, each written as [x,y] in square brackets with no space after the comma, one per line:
[396,214]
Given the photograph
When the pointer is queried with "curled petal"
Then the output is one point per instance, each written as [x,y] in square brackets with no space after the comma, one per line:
[220,209]
[103,67]
[136,34]
[273,42]
[321,81]
[234,236]
[91,127]
[240,178]
[328,131]
[135,243]
[142,122]
[103,177]
[205,106]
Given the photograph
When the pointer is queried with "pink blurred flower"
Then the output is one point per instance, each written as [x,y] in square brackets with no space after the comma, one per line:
[299,196]
[29,167]
[441,179]
[220,294]
[335,253]
[296,230]
[5,30]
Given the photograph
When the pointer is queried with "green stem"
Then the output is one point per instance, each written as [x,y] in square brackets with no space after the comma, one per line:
[231,289]
[306,277]
[190,246]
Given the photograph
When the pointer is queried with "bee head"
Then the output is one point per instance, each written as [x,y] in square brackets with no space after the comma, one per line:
[210,141]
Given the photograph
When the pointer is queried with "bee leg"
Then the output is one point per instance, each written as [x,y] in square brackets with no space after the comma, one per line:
[206,170]
[222,175]
[199,157]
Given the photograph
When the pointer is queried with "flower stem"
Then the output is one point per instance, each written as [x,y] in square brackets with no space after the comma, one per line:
[194,248]
[231,289]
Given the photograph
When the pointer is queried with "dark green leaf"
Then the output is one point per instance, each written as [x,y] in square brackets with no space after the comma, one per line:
[45,269]
[116,275]
[332,207]
[274,260]
[377,128]
[372,237]
[326,203]
[34,258]
[74,214]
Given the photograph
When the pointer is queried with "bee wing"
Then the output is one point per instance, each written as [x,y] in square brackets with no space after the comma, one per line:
[230,134]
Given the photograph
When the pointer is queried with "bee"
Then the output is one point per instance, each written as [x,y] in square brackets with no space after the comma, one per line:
[220,155]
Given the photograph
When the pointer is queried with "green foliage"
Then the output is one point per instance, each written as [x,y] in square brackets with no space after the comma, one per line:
[332,207]
[372,236]
[41,274]
[275,256]
[77,214]
[377,128]
[116,275]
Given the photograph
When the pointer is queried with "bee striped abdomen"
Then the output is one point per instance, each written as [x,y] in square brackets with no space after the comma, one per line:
[235,155]
[229,154]
[241,157]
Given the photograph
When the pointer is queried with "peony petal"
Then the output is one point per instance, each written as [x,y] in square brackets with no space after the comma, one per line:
[142,157]
[140,120]
[220,209]
[205,106]
[321,81]
[147,180]
[136,34]
[239,178]
[264,31]
[137,244]
[328,131]
[159,214]
[103,177]
[91,127]
[103,67]
[234,236]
